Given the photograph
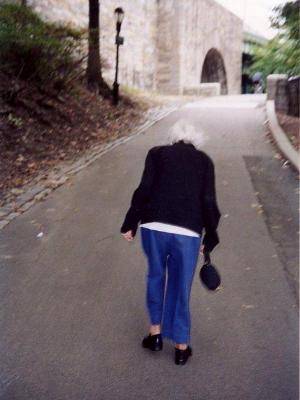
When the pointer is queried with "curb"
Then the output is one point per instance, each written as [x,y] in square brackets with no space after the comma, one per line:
[281,140]
[41,189]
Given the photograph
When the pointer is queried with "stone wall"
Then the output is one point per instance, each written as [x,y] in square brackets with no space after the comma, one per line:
[138,54]
[207,25]
[293,94]
[166,41]
[187,30]
[139,28]
[272,84]
[285,93]
[168,46]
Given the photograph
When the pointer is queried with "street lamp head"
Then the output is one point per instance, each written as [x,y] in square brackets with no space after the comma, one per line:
[119,15]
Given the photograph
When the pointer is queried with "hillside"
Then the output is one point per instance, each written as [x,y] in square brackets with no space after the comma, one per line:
[47,115]
[39,129]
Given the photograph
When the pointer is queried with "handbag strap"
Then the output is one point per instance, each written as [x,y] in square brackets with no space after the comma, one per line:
[207,257]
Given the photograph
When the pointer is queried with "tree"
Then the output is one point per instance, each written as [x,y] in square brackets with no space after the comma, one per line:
[95,80]
[277,56]
[287,19]
[282,53]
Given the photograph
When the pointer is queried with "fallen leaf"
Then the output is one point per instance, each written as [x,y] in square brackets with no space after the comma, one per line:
[31,165]
[17,191]
[285,164]
[20,158]
[248,306]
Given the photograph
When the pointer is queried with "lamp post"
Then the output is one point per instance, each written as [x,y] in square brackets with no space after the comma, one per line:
[119,16]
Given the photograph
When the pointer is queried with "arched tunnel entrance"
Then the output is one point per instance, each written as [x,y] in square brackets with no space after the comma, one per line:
[213,70]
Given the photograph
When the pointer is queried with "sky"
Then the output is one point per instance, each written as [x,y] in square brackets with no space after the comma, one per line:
[254,13]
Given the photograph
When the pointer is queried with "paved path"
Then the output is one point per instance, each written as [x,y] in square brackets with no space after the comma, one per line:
[72,301]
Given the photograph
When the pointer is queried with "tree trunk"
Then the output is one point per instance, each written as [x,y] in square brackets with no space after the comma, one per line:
[24,2]
[95,80]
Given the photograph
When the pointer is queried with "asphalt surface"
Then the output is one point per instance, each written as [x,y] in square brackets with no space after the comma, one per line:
[73,301]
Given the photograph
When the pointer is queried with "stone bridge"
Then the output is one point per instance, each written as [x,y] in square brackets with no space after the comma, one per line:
[171,46]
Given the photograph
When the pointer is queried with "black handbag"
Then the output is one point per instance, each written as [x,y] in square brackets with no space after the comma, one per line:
[209,274]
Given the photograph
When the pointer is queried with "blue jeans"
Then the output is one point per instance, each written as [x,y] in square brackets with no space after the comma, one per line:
[178,255]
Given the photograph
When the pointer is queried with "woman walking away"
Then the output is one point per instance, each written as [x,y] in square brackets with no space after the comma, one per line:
[175,202]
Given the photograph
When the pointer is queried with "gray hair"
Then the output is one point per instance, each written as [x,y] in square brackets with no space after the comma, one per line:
[183,130]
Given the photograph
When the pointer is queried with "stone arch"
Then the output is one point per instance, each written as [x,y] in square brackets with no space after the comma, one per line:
[213,69]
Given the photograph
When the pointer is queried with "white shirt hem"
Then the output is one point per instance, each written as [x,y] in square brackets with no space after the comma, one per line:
[162,227]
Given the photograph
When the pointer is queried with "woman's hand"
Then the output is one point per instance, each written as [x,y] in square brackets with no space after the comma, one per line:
[128,236]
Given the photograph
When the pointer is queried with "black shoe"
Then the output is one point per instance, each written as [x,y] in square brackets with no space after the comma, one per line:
[153,342]
[181,356]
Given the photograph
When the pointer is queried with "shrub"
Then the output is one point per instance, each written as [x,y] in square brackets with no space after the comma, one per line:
[32,49]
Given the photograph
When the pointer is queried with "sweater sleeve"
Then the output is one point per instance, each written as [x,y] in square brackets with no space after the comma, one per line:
[211,211]
[140,196]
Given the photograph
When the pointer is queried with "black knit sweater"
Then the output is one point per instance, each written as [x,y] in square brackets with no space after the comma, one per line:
[178,188]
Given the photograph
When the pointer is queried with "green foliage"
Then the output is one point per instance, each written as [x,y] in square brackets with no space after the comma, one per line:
[33,49]
[277,56]
[282,53]
[15,121]
[287,19]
